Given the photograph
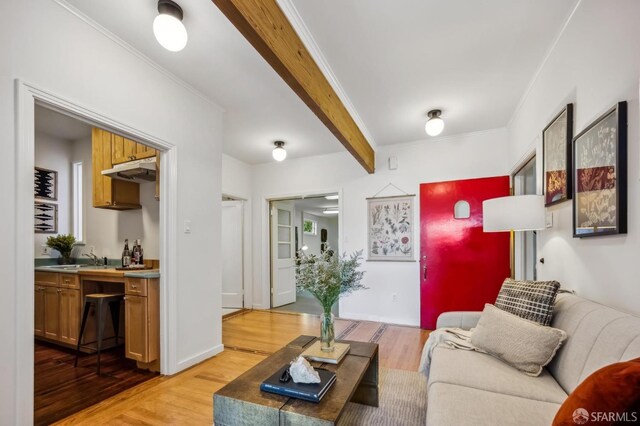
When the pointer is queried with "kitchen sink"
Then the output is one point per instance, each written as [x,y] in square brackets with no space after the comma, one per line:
[69,267]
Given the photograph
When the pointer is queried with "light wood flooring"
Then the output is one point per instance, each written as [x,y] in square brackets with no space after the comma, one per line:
[248,337]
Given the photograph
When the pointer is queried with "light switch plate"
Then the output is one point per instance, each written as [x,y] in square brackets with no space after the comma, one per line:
[187,226]
[46,250]
[393,163]
[549,220]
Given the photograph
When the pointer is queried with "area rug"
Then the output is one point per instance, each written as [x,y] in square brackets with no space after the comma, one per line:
[403,401]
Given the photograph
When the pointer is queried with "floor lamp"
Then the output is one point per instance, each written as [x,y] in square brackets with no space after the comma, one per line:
[511,214]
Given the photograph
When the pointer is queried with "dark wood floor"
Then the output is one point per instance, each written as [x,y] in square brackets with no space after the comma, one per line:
[61,390]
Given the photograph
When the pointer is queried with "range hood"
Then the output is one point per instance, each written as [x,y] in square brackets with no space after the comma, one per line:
[138,170]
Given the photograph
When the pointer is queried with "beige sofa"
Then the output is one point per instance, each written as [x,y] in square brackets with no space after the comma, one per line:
[470,388]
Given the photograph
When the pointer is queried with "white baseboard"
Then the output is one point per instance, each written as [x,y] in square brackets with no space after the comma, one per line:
[191,361]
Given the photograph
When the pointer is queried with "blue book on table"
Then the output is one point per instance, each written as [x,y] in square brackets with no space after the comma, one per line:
[308,391]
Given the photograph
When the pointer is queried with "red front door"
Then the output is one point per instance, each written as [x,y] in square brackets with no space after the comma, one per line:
[462,267]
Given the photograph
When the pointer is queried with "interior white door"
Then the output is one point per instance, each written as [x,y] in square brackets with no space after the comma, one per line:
[232,254]
[283,273]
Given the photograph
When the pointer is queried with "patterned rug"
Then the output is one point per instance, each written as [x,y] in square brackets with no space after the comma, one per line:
[403,401]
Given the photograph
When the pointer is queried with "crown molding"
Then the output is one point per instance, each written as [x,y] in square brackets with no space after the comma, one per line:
[296,21]
[545,59]
[135,52]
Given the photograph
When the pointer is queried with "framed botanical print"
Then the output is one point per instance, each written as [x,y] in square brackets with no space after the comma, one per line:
[600,176]
[45,184]
[390,228]
[556,154]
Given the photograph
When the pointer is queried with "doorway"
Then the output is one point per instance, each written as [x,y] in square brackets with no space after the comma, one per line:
[462,267]
[232,254]
[525,247]
[308,225]
[67,177]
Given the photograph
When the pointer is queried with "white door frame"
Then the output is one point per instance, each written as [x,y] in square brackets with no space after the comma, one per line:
[266,232]
[26,97]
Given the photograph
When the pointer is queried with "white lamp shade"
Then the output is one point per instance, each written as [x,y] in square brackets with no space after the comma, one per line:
[514,213]
[170,32]
[434,126]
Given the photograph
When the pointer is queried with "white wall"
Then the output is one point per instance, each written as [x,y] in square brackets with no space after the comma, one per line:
[47,46]
[55,154]
[594,65]
[474,155]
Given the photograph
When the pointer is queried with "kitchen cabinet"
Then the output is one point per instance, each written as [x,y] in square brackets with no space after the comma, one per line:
[51,313]
[124,150]
[69,322]
[38,321]
[142,320]
[109,193]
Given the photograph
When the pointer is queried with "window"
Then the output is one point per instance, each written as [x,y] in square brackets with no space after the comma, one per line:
[525,244]
[461,210]
[310,227]
[77,201]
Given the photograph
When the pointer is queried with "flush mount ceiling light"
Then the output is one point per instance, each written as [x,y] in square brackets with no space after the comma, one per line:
[331,197]
[435,124]
[168,27]
[279,153]
[332,210]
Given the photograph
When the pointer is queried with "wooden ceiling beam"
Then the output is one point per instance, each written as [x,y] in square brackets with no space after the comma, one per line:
[266,27]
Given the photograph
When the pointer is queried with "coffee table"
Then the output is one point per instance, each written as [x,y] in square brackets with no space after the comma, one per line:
[241,402]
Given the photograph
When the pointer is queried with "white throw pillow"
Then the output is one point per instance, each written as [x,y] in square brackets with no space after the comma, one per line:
[521,343]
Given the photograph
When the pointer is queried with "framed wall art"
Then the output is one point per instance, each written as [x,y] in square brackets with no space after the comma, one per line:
[600,176]
[45,184]
[390,228]
[556,154]
[45,218]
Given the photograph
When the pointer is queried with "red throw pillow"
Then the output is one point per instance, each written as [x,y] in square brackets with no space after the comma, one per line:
[609,396]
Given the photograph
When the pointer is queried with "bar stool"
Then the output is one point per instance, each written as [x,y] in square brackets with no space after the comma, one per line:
[98,300]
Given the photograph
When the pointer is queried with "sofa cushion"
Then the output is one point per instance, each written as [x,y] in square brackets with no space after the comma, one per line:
[613,390]
[455,405]
[531,300]
[596,336]
[524,344]
[482,371]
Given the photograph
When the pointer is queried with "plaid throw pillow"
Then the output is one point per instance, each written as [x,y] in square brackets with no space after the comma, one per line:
[531,300]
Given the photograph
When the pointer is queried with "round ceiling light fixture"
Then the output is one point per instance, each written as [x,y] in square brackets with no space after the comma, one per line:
[435,124]
[279,153]
[168,27]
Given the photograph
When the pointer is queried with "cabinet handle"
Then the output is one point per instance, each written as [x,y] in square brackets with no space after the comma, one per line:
[134,286]
[124,298]
[59,291]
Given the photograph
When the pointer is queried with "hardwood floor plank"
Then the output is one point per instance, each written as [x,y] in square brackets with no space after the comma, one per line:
[187,398]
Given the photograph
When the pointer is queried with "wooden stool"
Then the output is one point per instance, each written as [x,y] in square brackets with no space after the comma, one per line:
[99,300]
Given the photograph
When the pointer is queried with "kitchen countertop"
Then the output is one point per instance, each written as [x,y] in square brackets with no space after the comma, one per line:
[101,271]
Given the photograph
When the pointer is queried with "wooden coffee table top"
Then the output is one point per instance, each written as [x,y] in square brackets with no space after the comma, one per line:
[241,401]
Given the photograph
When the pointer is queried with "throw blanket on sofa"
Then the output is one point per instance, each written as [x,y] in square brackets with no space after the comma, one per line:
[452,338]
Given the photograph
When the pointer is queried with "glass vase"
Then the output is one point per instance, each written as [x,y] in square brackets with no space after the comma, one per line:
[327,332]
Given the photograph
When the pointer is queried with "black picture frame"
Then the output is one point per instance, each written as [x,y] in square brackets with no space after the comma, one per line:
[45,184]
[553,130]
[45,217]
[600,175]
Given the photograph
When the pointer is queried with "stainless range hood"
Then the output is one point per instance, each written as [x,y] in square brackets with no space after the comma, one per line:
[139,170]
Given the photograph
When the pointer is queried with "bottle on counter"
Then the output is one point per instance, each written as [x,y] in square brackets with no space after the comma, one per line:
[141,258]
[126,254]
[136,255]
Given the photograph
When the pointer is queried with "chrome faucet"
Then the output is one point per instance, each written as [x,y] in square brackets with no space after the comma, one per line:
[93,257]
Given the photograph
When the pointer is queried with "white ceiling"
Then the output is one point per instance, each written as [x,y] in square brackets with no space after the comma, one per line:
[60,126]
[222,65]
[315,206]
[395,60]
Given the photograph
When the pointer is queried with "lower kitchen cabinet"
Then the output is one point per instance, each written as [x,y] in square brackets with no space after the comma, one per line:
[52,312]
[69,325]
[38,323]
[142,320]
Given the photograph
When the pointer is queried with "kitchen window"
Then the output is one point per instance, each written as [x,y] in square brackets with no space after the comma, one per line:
[310,227]
[77,201]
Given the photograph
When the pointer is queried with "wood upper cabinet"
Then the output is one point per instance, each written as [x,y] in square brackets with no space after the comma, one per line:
[123,150]
[142,319]
[109,193]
